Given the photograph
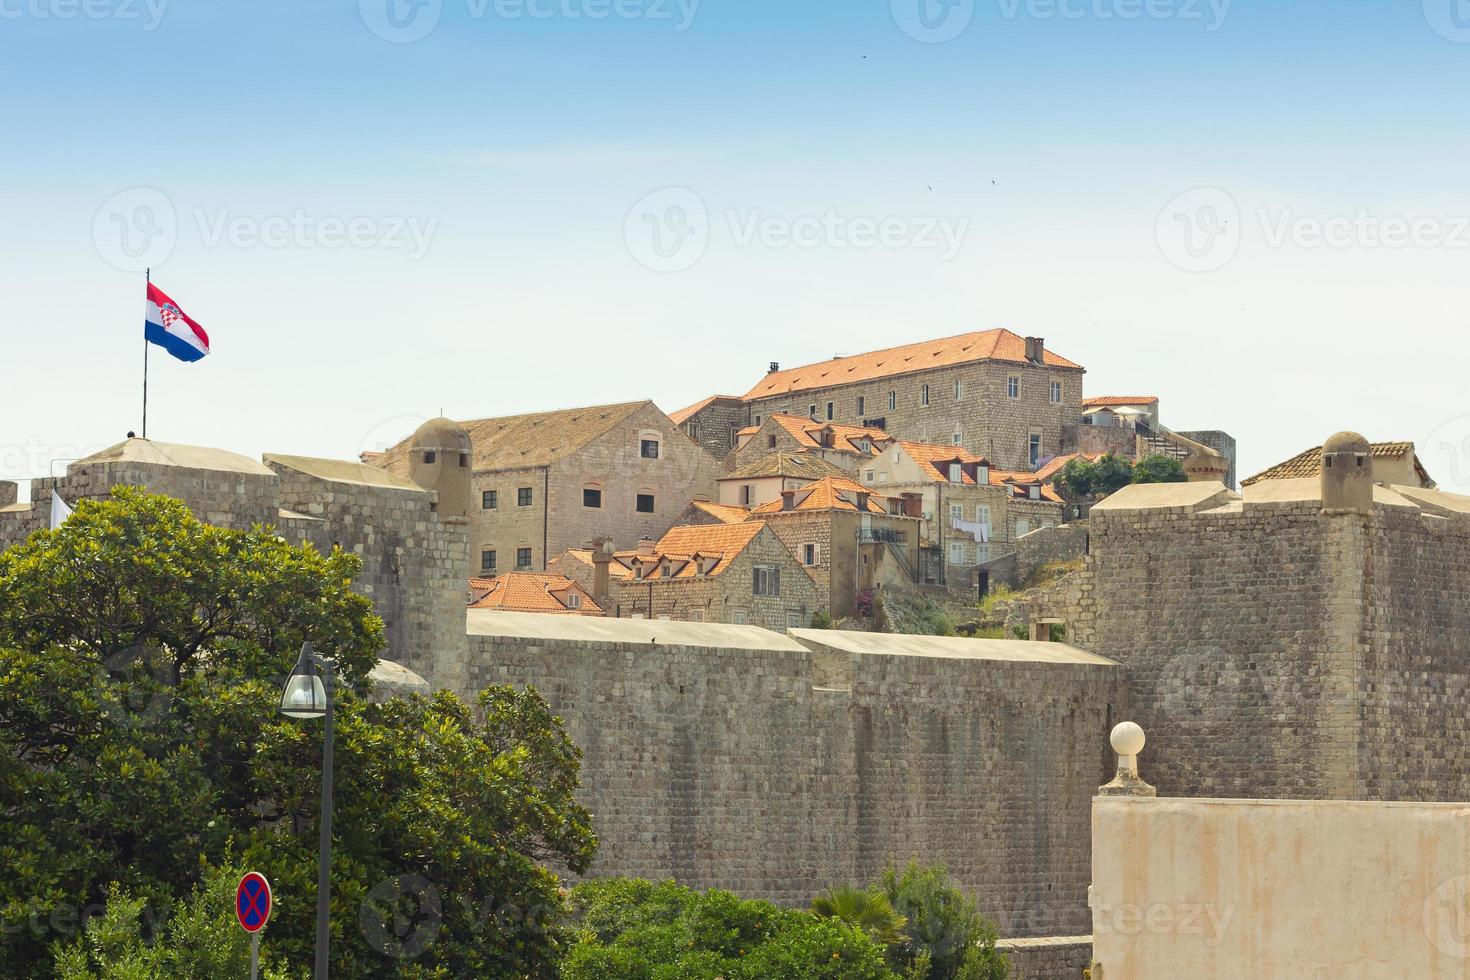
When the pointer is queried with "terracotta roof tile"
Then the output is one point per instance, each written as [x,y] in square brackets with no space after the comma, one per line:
[830,493]
[725,541]
[537,439]
[799,465]
[537,592]
[928,454]
[985,345]
[1109,401]
[725,513]
[685,414]
[1308,463]
[845,438]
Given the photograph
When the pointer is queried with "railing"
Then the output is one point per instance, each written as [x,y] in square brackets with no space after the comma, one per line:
[902,559]
[881,535]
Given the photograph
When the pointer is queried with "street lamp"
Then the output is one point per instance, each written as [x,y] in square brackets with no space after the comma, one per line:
[308,694]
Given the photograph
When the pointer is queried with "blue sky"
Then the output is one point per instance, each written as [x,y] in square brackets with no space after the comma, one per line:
[505,174]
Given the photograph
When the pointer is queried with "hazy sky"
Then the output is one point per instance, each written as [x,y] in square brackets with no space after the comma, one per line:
[1259,211]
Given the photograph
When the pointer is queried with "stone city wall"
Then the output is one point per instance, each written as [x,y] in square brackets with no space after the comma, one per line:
[731,757]
[1047,958]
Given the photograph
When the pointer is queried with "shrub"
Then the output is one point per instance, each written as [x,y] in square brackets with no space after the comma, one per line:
[639,930]
[943,925]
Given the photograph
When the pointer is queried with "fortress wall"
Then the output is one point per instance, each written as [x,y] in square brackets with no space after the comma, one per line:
[1415,680]
[738,758]
[1225,620]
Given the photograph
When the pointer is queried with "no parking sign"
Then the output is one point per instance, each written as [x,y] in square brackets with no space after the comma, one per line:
[253,902]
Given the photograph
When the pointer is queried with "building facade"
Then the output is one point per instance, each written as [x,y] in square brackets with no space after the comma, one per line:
[550,481]
[992,393]
[714,422]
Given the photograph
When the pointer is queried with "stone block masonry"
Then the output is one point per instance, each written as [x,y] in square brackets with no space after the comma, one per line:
[1047,958]
[777,766]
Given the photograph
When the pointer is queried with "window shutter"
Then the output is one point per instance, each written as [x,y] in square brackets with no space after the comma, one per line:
[776,590]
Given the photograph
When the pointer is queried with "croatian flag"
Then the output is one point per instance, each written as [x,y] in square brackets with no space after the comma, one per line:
[167,326]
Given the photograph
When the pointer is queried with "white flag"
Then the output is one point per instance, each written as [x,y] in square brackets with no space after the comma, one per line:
[59,510]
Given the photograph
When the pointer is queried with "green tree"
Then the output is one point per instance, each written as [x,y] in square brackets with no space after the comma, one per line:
[1159,469]
[1112,473]
[200,941]
[943,926]
[868,911]
[640,930]
[141,660]
[1077,478]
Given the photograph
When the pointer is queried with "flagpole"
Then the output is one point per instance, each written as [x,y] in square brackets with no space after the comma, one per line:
[148,279]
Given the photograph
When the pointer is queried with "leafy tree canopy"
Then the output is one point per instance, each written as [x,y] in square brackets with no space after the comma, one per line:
[1159,469]
[142,655]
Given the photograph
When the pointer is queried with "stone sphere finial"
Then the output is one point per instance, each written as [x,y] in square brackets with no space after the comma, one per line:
[1127,738]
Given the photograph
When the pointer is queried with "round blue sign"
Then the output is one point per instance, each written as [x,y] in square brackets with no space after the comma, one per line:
[253,902]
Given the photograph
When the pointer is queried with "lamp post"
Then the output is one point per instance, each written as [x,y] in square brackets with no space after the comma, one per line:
[308,694]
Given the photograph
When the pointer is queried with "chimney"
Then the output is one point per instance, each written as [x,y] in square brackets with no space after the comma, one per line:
[788,499]
[913,505]
[602,555]
[775,366]
[1035,349]
[645,546]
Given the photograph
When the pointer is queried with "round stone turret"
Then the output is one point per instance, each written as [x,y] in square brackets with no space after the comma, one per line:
[1206,468]
[441,459]
[1347,474]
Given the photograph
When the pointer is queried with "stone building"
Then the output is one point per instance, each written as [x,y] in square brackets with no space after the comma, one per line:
[1393,463]
[992,393]
[415,558]
[533,592]
[550,481]
[712,573]
[845,446]
[847,538]
[1304,638]
[970,511]
[708,512]
[714,422]
[765,479]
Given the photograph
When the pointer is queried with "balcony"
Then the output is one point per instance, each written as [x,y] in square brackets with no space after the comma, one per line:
[881,535]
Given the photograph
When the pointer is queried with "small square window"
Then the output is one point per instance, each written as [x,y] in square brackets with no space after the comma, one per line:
[487,561]
[770,442]
[809,555]
[648,448]
[592,497]
[812,411]
[489,500]
[523,558]
[430,456]
[523,497]
[644,504]
[574,601]
[464,460]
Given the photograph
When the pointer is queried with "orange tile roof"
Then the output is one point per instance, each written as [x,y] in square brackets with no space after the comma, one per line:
[831,493]
[802,466]
[927,454]
[985,345]
[1107,401]
[518,441]
[1308,463]
[537,592]
[725,541]
[845,438]
[1054,466]
[725,513]
[685,414]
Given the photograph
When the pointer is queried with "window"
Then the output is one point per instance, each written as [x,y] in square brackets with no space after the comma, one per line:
[870,476]
[892,401]
[1023,526]
[694,431]
[648,448]
[756,420]
[523,558]
[956,473]
[770,442]
[956,552]
[956,512]
[1013,387]
[523,497]
[1056,392]
[982,552]
[982,514]
[959,390]
[430,455]
[464,460]
[861,405]
[487,561]
[924,395]
[765,580]
[1034,450]
[738,617]
[489,500]
[958,438]
[592,497]
[793,620]
[831,410]
[809,555]
[574,601]
[644,503]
